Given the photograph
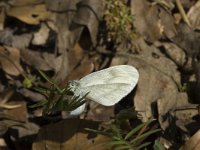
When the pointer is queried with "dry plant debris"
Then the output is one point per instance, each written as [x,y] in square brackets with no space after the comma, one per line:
[69,39]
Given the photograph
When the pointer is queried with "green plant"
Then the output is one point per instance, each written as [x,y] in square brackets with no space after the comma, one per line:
[121,139]
[58,98]
[119,20]
[158,146]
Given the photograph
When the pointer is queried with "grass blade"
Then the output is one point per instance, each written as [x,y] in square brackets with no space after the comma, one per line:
[144,135]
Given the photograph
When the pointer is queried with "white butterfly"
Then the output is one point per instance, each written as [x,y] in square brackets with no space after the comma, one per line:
[107,86]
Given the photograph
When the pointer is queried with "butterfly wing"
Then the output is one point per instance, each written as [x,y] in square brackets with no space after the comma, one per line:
[110,85]
[78,110]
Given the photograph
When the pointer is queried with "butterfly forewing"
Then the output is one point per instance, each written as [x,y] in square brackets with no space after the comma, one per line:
[115,74]
[110,85]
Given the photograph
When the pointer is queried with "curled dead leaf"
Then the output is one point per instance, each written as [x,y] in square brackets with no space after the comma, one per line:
[10,61]
[71,135]
[158,81]
[146,20]
[30,14]
[194,15]
[26,2]
[193,143]
[41,36]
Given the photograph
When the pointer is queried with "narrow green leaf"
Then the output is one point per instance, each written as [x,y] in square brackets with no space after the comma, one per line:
[112,143]
[50,81]
[42,90]
[143,145]
[158,146]
[116,130]
[116,137]
[45,77]
[98,132]
[41,103]
[59,104]
[125,147]
[144,135]
[136,129]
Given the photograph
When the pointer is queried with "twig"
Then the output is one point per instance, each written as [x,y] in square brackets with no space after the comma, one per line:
[3,103]
[182,12]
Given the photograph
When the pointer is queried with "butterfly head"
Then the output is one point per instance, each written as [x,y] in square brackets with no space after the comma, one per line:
[73,85]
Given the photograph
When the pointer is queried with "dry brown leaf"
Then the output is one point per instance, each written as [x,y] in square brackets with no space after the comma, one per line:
[167,22]
[77,57]
[185,115]
[174,52]
[146,20]
[40,37]
[20,132]
[82,13]
[67,38]
[194,15]
[84,69]
[61,22]
[99,112]
[2,18]
[26,2]
[22,41]
[153,56]
[60,5]
[2,143]
[19,113]
[35,59]
[193,143]
[52,61]
[69,134]
[32,95]
[9,105]
[5,96]
[70,24]
[158,81]
[151,20]
[10,61]
[5,124]
[153,85]
[30,14]
[89,13]
[187,39]
[74,57]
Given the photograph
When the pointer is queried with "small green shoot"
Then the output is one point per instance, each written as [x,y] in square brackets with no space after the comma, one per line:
[158,146]
[27,82]
[120,139]
[119,23]
[58,98]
